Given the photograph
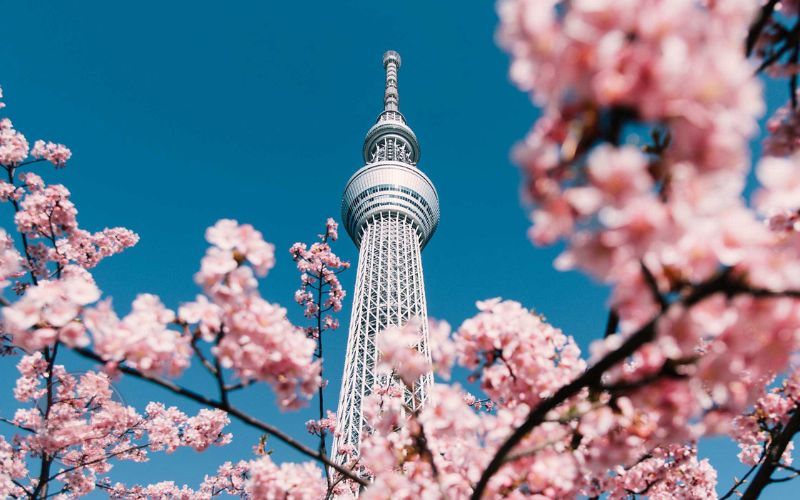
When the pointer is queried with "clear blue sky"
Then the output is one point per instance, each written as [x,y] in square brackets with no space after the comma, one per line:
[181,113]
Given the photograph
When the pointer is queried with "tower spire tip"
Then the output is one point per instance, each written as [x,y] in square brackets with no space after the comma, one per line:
[391,55]
[391,98]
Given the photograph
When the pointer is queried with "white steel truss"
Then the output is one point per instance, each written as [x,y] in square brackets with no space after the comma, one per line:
[391,210]
[390,291]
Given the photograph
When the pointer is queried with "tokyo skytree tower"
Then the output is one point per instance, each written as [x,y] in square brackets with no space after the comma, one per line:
[390,209]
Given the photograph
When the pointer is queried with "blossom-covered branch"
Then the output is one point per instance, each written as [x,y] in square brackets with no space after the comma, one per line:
[320,295]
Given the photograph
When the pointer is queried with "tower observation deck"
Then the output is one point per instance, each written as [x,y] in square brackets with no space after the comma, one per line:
[390,209]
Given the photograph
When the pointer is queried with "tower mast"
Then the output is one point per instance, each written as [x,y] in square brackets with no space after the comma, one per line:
[390,209]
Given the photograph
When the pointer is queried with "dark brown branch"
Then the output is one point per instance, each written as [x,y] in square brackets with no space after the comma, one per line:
[205,362]
[791,39]
[667,370]
[723,282]
[238,385]
[758,26]
[47,459]
[653,285]
[219,375]
[793,78]
[22,427]
[773,457]
[612,323]
[23,488]
[789,468]
[783,479]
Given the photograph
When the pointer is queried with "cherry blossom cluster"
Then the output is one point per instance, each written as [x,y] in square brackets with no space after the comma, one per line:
[620,204]
[13,145]
[588,446]
[260,478]
[400,351]
[668,472]
[10,260]
[142,338]
[86,427]
[757,428]
[46,213]
[476,403]
[250,335]
[230,479]
[327,424]
[319,268]
[49,312]
[288,480]
[57,154]
[647,220]
[639,162]
[784,132]
[520,358]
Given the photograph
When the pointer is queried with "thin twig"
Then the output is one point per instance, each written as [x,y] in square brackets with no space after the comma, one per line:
[740,482]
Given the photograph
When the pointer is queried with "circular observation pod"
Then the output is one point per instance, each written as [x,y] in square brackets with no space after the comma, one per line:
[391,125]
[390,186]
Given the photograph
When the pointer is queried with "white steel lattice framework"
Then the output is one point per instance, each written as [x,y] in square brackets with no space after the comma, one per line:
[390,209]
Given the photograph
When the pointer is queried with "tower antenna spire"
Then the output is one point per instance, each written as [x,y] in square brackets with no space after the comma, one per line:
[391,97]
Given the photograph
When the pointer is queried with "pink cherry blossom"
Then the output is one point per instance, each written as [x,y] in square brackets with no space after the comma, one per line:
[10,260]
[142,338]
[780,187]
[667,473]
[519,357]
[290,481]
[320,268]
[57,154]
[331,230]
[261,344]
[755,429]
[47,212]
[400,354]
[327,424]
[85,427]
[244,242]
[169,428]
[13,468]
[206,314]
[87,249]
[638,165]
[35,320]
[13,145]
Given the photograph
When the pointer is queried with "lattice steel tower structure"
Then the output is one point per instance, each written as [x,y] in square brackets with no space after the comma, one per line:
[390,209]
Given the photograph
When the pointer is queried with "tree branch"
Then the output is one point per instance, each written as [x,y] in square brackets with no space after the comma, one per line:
[235,412]
[758,26]
[773,457]
[721,283]
[739,482]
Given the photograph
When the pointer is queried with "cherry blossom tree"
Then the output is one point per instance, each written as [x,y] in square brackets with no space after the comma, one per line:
[72,428]
[638,166]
